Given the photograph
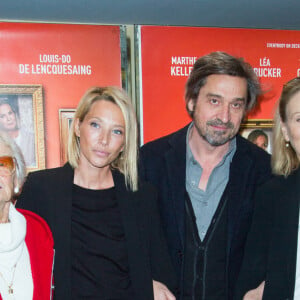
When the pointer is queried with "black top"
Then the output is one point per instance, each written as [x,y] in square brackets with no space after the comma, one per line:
[99,255]
[205,261]
[272,243]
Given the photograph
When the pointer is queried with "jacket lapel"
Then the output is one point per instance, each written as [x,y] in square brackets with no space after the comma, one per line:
[176,170]
[41,254]
[128,204]
[291,219]
[237,187]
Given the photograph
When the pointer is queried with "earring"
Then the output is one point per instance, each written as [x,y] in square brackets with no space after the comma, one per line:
[287,144]
[16,190]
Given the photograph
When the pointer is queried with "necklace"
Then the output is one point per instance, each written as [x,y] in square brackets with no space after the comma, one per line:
[10,285]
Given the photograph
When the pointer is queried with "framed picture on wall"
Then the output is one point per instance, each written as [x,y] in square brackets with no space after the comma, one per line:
[66,116]
[21,116]
[259,132]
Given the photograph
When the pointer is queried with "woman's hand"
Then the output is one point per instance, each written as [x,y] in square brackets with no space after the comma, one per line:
[161,292]
[255,294]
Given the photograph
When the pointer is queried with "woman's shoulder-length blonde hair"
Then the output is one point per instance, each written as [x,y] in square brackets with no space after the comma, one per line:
[126,162]
[284,158]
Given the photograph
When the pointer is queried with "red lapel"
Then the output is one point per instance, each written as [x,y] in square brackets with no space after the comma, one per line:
[39,242]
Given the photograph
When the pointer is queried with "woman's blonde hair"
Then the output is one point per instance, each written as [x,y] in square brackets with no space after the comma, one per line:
[284,158]
[126,162]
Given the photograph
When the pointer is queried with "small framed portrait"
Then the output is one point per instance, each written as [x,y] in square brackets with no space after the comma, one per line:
[66,116]
[258,132]
[22,117]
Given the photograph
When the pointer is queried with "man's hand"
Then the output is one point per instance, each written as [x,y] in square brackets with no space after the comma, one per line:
[255,294]
[161,292]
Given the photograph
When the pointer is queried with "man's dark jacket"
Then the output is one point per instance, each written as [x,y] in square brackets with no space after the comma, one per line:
[163,163]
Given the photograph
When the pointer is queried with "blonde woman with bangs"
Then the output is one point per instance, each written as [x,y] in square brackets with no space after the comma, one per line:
[106,228]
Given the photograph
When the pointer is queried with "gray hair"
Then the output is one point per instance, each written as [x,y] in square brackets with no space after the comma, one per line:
[16,153]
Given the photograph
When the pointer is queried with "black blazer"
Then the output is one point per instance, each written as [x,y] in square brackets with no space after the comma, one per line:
[49,194]
[271,249]
[163,163]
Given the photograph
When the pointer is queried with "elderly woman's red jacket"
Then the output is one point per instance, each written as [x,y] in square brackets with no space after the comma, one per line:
[39,242]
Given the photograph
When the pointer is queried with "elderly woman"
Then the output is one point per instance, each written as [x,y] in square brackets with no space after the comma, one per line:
[271,267]
[106,228]
[26,244]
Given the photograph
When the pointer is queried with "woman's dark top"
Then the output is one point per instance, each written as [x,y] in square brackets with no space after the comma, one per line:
[99,254]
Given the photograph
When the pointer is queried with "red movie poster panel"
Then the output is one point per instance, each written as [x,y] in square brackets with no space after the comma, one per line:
[168,54]
[44,71]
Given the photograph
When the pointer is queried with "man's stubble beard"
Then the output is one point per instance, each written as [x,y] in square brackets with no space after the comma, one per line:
[216,138]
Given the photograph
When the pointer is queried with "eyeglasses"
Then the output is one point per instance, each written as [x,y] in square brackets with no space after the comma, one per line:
[7,165]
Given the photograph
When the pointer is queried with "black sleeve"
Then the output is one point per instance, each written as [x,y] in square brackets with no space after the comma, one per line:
[161,267]
[27,198]
[36,196]
[254,266]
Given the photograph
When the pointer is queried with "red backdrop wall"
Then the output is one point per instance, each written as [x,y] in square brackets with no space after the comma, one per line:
[168,54]
[48,44]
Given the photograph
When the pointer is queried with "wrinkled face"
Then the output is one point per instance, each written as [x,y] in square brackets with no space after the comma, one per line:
[7,117]
[7,174]
[291,128]
[261,142]
[219,108]
[101,134]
